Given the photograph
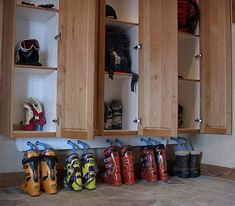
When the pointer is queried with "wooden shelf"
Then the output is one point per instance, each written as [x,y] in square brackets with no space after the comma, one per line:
[185,35]
[34,13]
[188,80]
[38,69]
[28,134]
[119,75]
[121,24]
[119,132]
[188,130]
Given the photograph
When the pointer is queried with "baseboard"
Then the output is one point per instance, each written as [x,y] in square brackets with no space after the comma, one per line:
[11,179]
[15,178]
[225,172]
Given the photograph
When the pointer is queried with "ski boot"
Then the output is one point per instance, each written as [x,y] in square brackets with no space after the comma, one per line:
[112,174]
[161,160]
[48,163]
[148,162]
[194,159]
[181,168]
[73,179]
[89,168]
[127,160]
[31,184]
[194,164]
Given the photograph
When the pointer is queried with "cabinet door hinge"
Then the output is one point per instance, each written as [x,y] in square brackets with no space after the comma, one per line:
[138,121]
[198,56]
[58,36]
[198,120]
[56,121]
[138,47]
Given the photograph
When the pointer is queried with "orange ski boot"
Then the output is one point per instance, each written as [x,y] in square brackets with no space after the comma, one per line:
[161,160]
[48,162]
[127,160]
[148,162]
[31,184]
[112,174]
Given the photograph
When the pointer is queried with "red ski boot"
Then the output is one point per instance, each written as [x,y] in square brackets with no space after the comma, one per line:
[161,160]
[148,163]
[127,160]
[112,174]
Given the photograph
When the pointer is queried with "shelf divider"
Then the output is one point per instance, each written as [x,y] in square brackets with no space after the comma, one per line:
[188,130]
[20,66]
[120,132]
[37,7]
[28,134]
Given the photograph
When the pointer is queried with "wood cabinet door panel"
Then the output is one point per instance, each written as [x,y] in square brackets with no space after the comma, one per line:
[158,82]
[215,43]
[7,22]
[77,68]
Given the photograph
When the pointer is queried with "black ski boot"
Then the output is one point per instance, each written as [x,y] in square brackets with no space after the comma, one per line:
[194,164]
[181,168]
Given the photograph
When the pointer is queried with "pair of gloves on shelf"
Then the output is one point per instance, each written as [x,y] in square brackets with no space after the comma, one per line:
[35,117]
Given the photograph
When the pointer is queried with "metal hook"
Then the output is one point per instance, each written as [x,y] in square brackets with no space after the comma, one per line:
[42,145]
[74,146]
[119,142]
[31,145]
[84,145]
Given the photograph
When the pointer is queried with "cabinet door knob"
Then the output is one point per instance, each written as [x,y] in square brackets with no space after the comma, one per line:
[139,46]
[198,120]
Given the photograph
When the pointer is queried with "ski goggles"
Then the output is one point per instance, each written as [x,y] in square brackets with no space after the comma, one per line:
[27,45]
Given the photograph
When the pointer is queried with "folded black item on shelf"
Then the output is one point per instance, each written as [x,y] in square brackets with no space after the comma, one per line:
[27,3]
[48,6]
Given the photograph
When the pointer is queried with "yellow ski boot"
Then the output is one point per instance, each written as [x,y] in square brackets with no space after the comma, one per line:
[73,179]
[31,184]
[48,162]
[89,168]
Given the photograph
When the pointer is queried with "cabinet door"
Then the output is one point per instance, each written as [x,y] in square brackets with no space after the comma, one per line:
[7,16]
[77,68]
[158,87]
[216,70]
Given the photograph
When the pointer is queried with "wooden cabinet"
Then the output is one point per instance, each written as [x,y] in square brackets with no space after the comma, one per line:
[216,64]
[152,109]
[172,71]
[158,68]
[205,65]
[77,71]
[120,87]
[66,81]
[73,84]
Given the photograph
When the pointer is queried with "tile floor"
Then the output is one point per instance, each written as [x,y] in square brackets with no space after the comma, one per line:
[178,192]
